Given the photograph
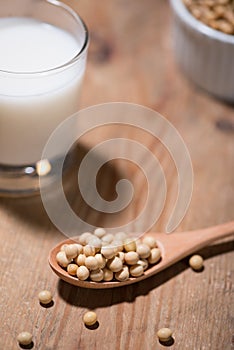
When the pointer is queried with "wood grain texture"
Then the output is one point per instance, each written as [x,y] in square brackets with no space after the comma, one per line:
[131,59]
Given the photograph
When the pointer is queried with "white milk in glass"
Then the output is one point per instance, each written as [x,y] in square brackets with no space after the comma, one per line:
[34,96]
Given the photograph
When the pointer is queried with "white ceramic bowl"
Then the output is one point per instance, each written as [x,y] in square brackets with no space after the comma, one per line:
[205,55]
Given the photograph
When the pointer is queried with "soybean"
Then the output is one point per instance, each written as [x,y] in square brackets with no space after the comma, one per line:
[99,232]
[62,259]
[91,263]
[107,275]
[80,260]
[89,250]
[115,264]
[136,270]
[118,245]
[196,262]
[108,252]
[83,239]
[108,238]
[144,263]
[120,236]
[150,242]
[90,318]
[82,273]
[71,269]
[129,245]
[123,274]
[121,255]
[24,338]
[143,250]
[101,260]
[45,297]
[71,251]
[155,256]
[96,243]
[164,334]
[96,275]
[131,258]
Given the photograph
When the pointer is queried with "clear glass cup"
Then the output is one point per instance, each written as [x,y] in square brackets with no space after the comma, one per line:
[33,104]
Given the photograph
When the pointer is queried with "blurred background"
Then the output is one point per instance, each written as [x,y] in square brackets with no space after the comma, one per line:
[131,59]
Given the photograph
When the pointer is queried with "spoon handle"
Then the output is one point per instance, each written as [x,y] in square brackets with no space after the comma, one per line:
[180,244]
[210,234]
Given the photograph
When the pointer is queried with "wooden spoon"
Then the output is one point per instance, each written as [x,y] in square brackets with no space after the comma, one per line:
[174,247]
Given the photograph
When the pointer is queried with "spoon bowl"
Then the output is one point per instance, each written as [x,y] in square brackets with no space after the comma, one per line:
[174,247]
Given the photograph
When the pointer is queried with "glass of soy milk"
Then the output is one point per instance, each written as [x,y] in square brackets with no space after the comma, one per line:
[43,47]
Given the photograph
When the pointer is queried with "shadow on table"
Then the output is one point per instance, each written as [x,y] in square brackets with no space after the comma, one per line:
[31,209]
[96,298]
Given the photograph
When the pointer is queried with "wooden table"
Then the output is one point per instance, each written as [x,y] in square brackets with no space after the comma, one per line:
[131,59]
